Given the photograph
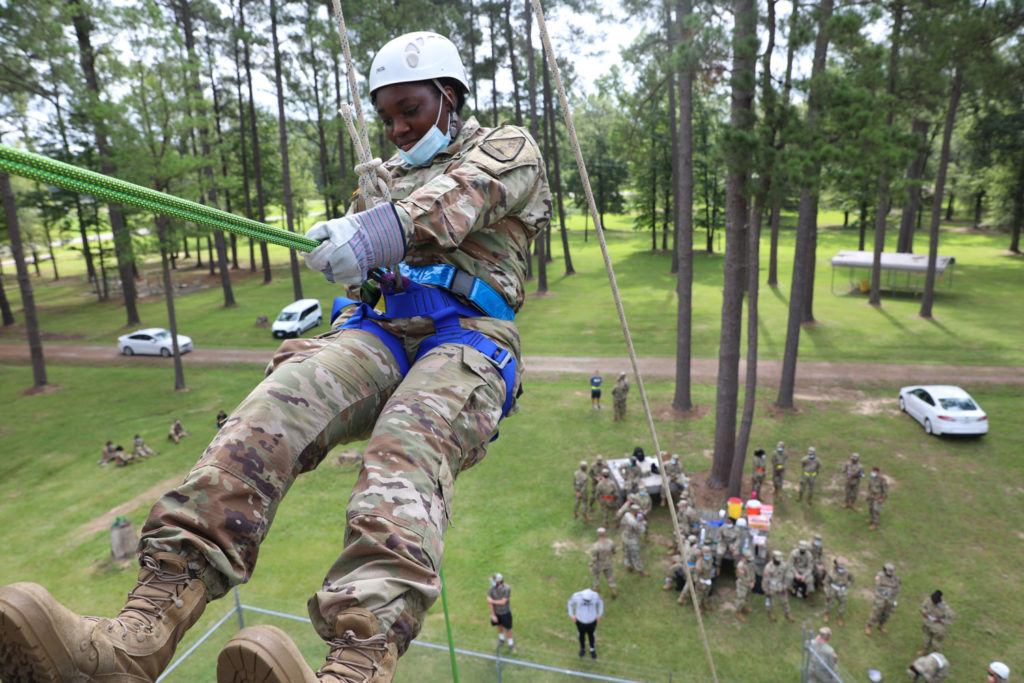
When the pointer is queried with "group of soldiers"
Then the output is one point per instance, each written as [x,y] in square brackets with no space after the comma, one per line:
[120,457]
[852,472]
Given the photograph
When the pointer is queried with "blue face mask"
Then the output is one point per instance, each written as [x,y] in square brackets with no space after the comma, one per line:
[432,142]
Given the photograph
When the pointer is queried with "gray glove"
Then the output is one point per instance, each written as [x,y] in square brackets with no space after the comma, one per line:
[335,257]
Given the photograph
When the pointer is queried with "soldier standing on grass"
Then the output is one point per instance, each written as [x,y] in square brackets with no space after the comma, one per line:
[823,661]
[809,466]
[619,393]
[878,491]
[758,474]
[703,575]
[937,616]
[745,579]
[674,474]
[596,471]
[887,589]
[633,527]
[602,563]
[777,577]
[853,472]
[595,390]
[608,496]
[836,584]
[779,458]
[579,484]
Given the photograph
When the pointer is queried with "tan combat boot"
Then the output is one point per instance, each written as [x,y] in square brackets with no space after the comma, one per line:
[265,654]
[739,615]
[40,639]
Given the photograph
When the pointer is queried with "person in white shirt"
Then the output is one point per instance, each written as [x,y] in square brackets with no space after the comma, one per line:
[586,608]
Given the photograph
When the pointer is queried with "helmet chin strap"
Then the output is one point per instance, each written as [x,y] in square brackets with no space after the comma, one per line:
[453,116]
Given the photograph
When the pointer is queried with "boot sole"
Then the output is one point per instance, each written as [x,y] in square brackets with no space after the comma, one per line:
[30,647]
[262,654]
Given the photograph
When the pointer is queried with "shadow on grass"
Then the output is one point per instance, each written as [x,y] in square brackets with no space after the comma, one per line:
[890,317]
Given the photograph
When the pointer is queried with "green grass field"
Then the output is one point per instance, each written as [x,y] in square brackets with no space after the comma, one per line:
[954,520]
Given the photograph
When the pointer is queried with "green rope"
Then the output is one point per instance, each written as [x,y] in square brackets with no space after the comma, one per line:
[448,625]
[82,181]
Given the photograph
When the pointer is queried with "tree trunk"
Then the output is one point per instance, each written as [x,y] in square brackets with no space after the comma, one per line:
[949,206]
[912,206]
[541,243]
[750,391]
[6,314]
[806,221]
[286,176]
[257,166]
[1018,210]
[122,236]
[321,133]
[928,295]
[979,197]
[737,214]
[549,107]
[172,321]
[862,225]
[491,21]
[90,269]
[672,33]
[513,67]
[28,302]
[185,10]
[779,183]
[242,125]
[531,67]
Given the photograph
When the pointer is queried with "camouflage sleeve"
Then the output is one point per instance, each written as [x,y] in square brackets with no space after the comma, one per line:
[488,185]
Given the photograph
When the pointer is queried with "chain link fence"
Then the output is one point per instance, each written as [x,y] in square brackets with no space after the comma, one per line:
[423,662]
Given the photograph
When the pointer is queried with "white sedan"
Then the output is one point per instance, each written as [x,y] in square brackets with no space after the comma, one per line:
[152,341]
[943,409]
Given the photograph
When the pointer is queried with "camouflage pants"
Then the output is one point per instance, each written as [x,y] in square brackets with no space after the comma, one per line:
[595,575]
[424,429]
[880,613]
[581,501]
[933,637]
[807,486]
[757,482]
[742,591]
[851,492]
[837,596]
[875,508]
[619,408]
[777,598]
[777,478]
[631,555]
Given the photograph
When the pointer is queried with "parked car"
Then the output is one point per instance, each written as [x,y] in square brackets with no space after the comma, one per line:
[297,317]
[943,409]
[152,341]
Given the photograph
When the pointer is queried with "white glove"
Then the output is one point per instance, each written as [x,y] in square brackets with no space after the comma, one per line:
[335,257]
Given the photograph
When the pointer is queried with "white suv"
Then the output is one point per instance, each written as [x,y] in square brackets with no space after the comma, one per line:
[297,317]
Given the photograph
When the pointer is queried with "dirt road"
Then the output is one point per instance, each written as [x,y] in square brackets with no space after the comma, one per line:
[702,369]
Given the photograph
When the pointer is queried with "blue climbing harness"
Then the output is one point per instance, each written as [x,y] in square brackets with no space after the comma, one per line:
[414,299]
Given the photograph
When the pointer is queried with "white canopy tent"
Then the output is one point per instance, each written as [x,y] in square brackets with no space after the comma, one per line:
[900,272]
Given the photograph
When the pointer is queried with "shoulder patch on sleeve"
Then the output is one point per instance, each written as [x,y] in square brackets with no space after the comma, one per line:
[504,149]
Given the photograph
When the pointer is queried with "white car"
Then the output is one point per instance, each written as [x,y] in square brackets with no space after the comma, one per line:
[297,317]
[152,341]
[943,409]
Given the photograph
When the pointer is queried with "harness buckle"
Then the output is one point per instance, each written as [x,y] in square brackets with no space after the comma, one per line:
[504,357]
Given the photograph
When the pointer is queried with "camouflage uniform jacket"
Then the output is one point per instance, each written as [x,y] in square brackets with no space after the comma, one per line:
[606,488]
[579,482]
[595,472]
[631,473]
[477,206]
[632,529]
[620,390]
[601,553]
[690,519]
[853,471]
[642,499]
[744,576]
[776,577]
[759,465]
[802,562]
[703,573]
[878,488]
[837,581]
[810,466]
[673,470]
[887,588]
[729,539]
[779,459]
[937,617]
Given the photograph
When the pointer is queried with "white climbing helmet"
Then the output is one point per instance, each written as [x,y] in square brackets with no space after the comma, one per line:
[417,56]
[1000,670]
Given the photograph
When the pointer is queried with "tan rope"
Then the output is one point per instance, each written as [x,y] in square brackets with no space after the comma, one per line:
[599,231]
[339,20]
